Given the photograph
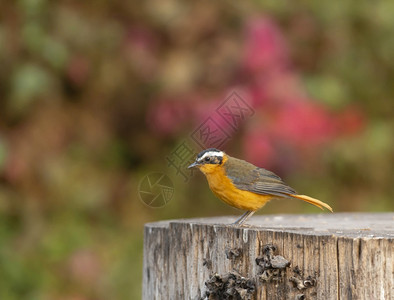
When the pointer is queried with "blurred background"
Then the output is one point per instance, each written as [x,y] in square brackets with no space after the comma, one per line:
[95,95]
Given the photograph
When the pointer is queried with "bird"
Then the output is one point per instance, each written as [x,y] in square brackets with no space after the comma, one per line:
[243,185]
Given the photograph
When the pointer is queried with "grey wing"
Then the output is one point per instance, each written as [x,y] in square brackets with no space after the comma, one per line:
[260,181]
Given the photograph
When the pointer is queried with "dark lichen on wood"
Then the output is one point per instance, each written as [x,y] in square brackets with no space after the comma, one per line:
[206,262]
[233,253]
[272,266]
[300,282]
[230,286]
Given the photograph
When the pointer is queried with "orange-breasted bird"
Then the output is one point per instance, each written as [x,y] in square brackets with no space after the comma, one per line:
[243,185]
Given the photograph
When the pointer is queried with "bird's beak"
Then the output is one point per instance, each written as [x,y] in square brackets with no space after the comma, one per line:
[195,164]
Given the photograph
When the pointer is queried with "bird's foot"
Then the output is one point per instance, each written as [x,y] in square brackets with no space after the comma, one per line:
[237,225]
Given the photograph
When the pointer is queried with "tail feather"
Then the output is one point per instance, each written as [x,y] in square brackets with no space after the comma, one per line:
[313,201]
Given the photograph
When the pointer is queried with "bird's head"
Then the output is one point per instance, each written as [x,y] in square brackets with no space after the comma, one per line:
[209,160]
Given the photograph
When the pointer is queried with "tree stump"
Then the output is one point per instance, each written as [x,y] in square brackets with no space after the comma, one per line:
[325,256]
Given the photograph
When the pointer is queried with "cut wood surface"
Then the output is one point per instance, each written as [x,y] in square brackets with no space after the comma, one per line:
[325,256]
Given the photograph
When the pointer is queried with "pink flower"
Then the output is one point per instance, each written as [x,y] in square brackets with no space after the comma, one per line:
[264,46]
[303,122]
[167,116]
[170,116]
[276,86]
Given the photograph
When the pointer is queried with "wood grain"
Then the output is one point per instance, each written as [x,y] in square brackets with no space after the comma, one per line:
[332,256]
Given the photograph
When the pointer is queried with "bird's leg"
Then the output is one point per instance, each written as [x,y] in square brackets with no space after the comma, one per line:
[244,217]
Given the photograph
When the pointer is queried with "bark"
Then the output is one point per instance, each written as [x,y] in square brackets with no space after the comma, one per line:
[327,256]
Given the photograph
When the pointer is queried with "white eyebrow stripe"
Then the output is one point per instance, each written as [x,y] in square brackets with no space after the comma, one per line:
[211,153]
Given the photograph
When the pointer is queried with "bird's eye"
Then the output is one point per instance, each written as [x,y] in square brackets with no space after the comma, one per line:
[207,158]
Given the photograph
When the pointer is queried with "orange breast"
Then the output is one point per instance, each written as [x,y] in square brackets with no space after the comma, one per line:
[225,190]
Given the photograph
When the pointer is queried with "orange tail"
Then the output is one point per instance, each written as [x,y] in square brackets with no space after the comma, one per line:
[313,201]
